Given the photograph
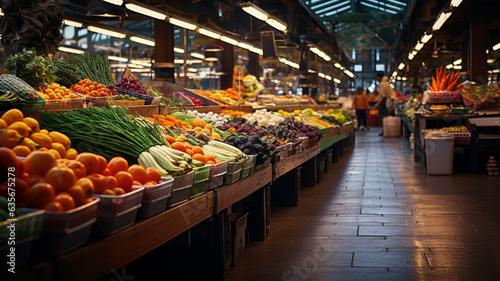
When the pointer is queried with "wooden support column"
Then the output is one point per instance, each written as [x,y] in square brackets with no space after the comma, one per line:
[227,63]
[253,64]
[164,51]
[477,53]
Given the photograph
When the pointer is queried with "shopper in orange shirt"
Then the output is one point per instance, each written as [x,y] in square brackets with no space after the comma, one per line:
[360,104]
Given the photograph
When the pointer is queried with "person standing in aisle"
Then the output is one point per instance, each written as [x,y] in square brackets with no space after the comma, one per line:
[385,98]
[360,104]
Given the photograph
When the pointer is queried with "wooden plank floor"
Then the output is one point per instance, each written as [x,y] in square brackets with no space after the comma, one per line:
[378,216]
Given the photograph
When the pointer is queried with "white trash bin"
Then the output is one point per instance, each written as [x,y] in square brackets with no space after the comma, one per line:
[392,126]
[439,155]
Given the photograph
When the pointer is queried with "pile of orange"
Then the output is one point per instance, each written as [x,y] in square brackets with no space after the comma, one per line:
[63,184]
[89,88]
[233,113]
[169,121]
[56,91]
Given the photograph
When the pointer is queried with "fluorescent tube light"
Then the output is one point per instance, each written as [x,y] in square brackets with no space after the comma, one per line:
[108,32]
[328,77]
[195,61]
[311,71]
[1,13]
[441,20]
[414,52]
[490,61]
[208,33]
[135,65]
[404,78]
[314,50]
[496,47]
[178,50]
[449,66]
[114,2]
[410,56]
[419,46]
[117,59]
[321,75]
[257,50]
[183,24]
[455,3]
[178,61]
[142,41]
[401,66]
[228,40]
[294,65]
[279,25]
[336,80]
[426,38]
[394,74]
[192,69]
[143,63]
[244,45]
[337,65]
[457,67]
[254,11]
[197,55]
[146,11]
[327,58]
[71,50]
[457,62]
[73,23]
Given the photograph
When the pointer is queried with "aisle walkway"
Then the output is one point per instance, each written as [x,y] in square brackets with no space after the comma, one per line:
[378,216]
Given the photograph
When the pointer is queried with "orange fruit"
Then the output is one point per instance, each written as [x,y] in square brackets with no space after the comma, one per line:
[108,192]
[102,164]
[209,157]
[198,157]
[53,206]
[71,153]
[119,191]
[89,160]
[88,200]
[198,150]
[106,172]
[117,164]
[87,186]
[61,178]
[125,180]
[62,162]
[39,163]
[137,183]
[56,153]
[210,162]
[149,183]
[138,173]
[153,174]
[187,145]
[34,179]
[170,139]
[99,182]
[78,195]
[179,146]
[66,201]
[189,151]
[77,167]
[39,195]
[111,182]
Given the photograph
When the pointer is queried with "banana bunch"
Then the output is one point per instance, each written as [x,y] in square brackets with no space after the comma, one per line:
[168,161]
[224,152]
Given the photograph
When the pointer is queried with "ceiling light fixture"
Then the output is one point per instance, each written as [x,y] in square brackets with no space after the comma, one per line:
[321,75]
[145,11]
[114,2]
[328,77]
[440,20]
[228,40]
[337,65]
[73,23]
[254,11]
[457,62]
[71,50]
[181,23]
[419,46]
[426,38]
[139,62]
[457,67]
[208,33]
[178,50]
[336,80]
[197,55]
[410,56]
[257,50]
[449,66]
[143,41]
[117,58]
[401,66]
[108,32]
[455,3]
[496,47]
[244,45]
[490,61]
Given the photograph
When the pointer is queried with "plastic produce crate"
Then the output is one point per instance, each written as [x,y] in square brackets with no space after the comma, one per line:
[64,231]
[116,212]
[149,100]
[181,189]
[230,178]
[248,166]
[97,101]
[216,181]
[28,228]
[233,167]
[154,198]
[198,188]
[55,104]
[218,169]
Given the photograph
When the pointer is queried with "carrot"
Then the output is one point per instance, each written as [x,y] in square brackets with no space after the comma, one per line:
[452,86]
[434,84]
[430,88]
[444,82]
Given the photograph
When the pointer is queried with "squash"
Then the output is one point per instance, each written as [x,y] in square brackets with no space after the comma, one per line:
[59,147]
[3,124]
[42,139]
[12,116]
[45,132]
[10,138]
[60,138]
[30,144]
[21,127]
[33,124]
[198,122]
[21,150]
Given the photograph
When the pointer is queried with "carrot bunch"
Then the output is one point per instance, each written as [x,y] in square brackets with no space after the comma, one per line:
[445,82]
[233,113]
[169,121]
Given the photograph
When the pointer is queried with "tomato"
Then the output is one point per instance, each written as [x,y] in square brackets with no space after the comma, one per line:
[78,195]
[153,174]
[117,164]
[66,201]
[90,161]
[125,180]
[61,178]
[77,167]
[138,173]
[39,195]
[87,185]
[99,182]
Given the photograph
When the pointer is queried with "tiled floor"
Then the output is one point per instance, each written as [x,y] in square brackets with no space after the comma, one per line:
[378,216]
